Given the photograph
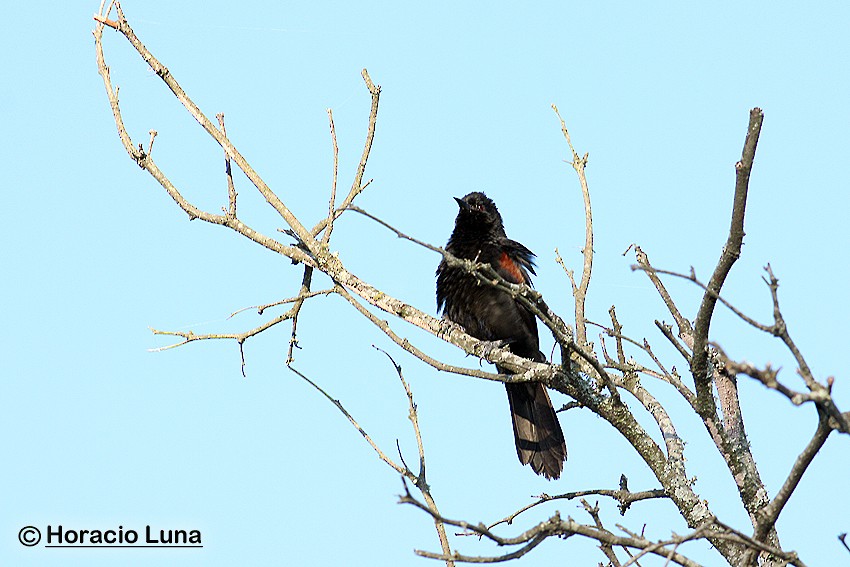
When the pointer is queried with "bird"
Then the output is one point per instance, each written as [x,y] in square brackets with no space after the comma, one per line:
[492,315]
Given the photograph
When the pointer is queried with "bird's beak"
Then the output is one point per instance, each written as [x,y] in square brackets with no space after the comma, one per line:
[464,206]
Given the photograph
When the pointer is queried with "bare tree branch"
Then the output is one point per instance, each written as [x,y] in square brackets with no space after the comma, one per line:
[231,188]
[731,252]
[728,435]
[580,291]
[420,481]
[623,496]
[303,293]
[693,278]
[554,526]
[685,329]
[332,205]
[240,338]
[357,185]
[404,471]
[143,159]
[607,548]
[819,394]
[767,516]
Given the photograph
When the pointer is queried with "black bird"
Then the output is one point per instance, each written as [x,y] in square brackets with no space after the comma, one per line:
[490,314]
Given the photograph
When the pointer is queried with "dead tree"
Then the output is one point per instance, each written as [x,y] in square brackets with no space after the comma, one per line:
[594,377]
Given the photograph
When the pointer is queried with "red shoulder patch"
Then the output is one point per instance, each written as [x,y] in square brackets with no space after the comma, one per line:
[513,270]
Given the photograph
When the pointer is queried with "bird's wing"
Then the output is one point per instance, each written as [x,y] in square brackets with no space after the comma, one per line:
[515,262]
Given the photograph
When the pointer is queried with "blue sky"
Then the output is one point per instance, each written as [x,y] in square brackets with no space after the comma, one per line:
[98,432]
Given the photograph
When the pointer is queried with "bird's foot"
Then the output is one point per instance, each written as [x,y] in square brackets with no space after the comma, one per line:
[446,328]
[486,348]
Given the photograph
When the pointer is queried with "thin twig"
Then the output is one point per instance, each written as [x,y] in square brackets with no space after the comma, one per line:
[262,308]
[397,232]
[607,548]
[357,186]
[691,277]
[625,498]
[580,291]
[303,292]
[819,393]
[731,534]
[381,455]
[332,205]
[404,471]
[699,533]
[231,188]
[554,526]
[685,329]
[421,482]
[617,334]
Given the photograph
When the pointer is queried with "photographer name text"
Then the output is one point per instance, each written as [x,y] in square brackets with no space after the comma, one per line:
[150,536]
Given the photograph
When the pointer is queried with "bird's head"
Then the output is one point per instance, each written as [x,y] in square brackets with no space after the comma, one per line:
[478,213]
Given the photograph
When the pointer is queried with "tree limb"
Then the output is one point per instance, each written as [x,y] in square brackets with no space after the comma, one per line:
[731,252]
[580,291]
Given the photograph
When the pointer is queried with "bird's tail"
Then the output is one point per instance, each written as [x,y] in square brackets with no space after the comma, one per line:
[537,432]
